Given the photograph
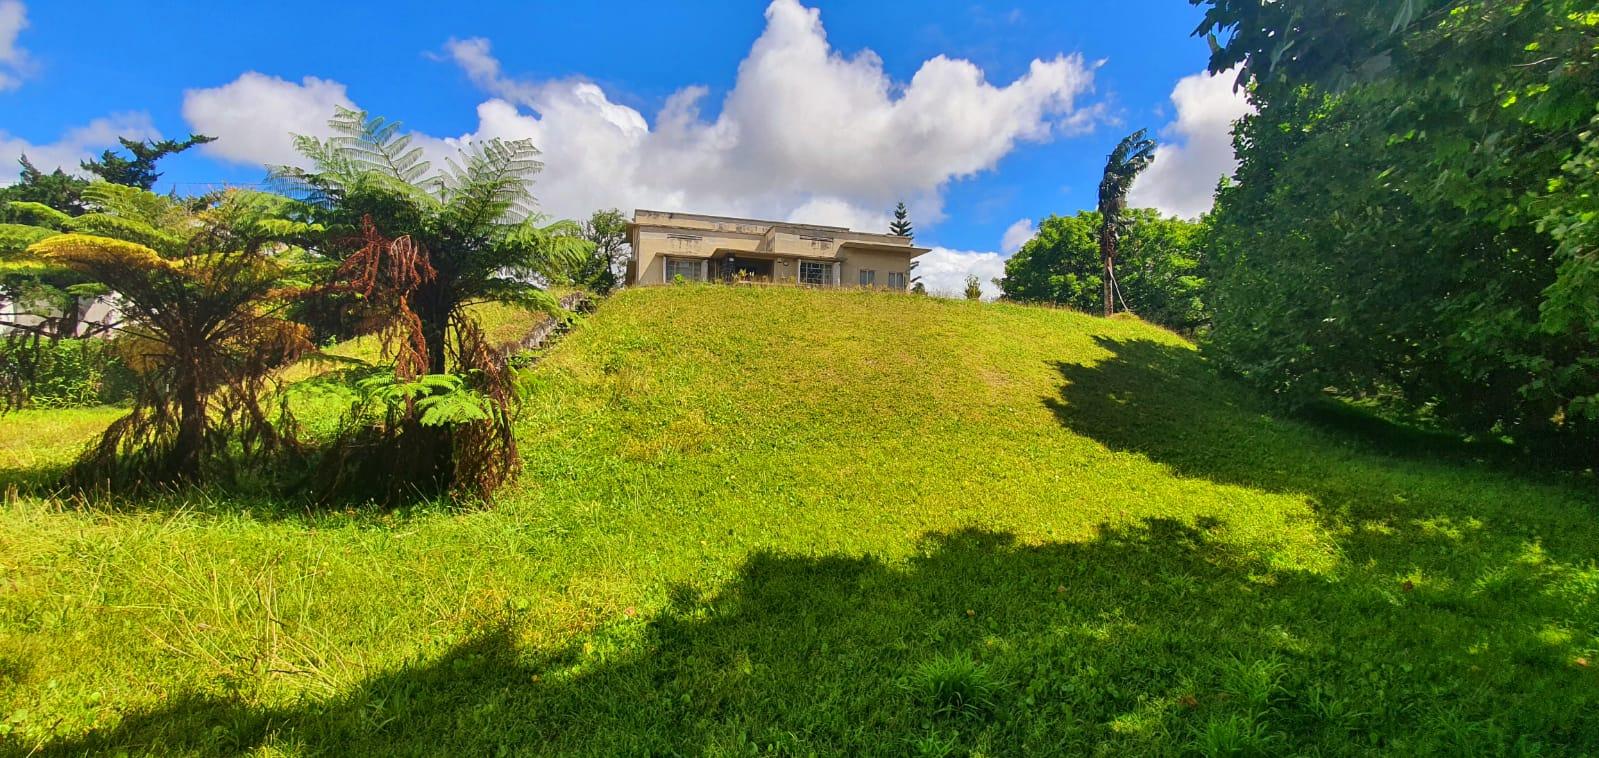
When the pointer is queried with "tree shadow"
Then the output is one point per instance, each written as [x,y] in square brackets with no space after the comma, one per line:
[1364,476]
[1149,638]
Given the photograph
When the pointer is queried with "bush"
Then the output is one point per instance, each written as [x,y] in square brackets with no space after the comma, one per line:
[1159,269]
[71,373]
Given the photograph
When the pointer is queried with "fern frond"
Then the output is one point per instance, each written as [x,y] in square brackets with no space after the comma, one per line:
[132,203]
[38,214]
[15,238]
[127,229]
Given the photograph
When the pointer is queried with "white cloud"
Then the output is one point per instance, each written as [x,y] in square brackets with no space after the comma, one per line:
[944,271]
[1016,235]
[253,116]
[1198,148]
[80,143]
[14,61]
[806,133]
[832,211]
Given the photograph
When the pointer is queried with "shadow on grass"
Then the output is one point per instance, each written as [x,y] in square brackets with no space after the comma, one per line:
[1366,477]
[1150,638]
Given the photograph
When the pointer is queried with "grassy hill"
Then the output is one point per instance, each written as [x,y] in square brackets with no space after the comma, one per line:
[774,520]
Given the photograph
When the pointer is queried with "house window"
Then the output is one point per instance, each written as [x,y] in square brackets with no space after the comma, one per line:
[815,273]
[689,268]
[896,280]
[868,277]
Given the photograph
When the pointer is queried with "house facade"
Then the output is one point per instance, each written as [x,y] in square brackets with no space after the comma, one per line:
[726,249]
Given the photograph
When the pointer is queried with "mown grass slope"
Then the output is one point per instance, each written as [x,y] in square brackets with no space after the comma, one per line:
[773,520]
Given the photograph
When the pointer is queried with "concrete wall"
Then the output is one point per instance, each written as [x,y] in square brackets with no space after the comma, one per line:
[879,262]
[656,236]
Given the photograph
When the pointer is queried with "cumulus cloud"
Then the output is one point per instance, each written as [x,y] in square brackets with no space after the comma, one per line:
[944,271]
[254,115]
[1197,149]
[806,133]
[833,211]
[1016,235]
[14,61]
[80,143]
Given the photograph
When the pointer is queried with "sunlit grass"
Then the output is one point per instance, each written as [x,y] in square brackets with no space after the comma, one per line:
[837,522]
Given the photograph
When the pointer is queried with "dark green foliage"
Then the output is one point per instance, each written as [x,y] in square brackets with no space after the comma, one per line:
[1414,214]
[1159,274]
[901,224]
[599,271]
[139,171]
[68,373]
[414,249]
[57,189]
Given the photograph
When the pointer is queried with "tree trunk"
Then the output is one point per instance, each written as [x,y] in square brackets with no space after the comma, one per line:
[190,441]
[1107,256]
[67,326]
[433,310]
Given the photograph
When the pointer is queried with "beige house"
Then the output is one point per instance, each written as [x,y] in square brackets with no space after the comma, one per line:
[724,249]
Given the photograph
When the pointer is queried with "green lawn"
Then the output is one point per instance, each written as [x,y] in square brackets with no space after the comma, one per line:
[774,520]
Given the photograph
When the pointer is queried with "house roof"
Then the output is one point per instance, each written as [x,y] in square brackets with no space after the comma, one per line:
[884,247]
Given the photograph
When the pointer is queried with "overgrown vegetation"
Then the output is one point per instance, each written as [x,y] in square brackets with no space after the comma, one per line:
[65,373]
[602,269]
[418,249]
[200,294]
[1080,540]
[1414,215]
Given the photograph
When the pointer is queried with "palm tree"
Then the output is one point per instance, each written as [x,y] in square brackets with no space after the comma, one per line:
[1130,158]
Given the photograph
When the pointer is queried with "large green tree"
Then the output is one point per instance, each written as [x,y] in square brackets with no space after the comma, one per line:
[139,170]
[606,231]
[56,189]
[1413,214]
[1159,269]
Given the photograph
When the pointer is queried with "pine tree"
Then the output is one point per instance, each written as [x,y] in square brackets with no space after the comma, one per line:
[140,170]
[902,222]
[901,226]
[58,190]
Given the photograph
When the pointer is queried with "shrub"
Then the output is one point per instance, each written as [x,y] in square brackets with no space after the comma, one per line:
[70,373]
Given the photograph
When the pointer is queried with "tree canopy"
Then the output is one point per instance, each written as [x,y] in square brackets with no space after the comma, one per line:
[1413,215]
[1159,267]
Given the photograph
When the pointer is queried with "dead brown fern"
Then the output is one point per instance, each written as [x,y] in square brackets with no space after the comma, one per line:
[386,452]
[386,274]
[485,454]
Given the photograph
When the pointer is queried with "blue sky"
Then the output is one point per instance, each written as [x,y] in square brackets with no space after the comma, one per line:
[982,117]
